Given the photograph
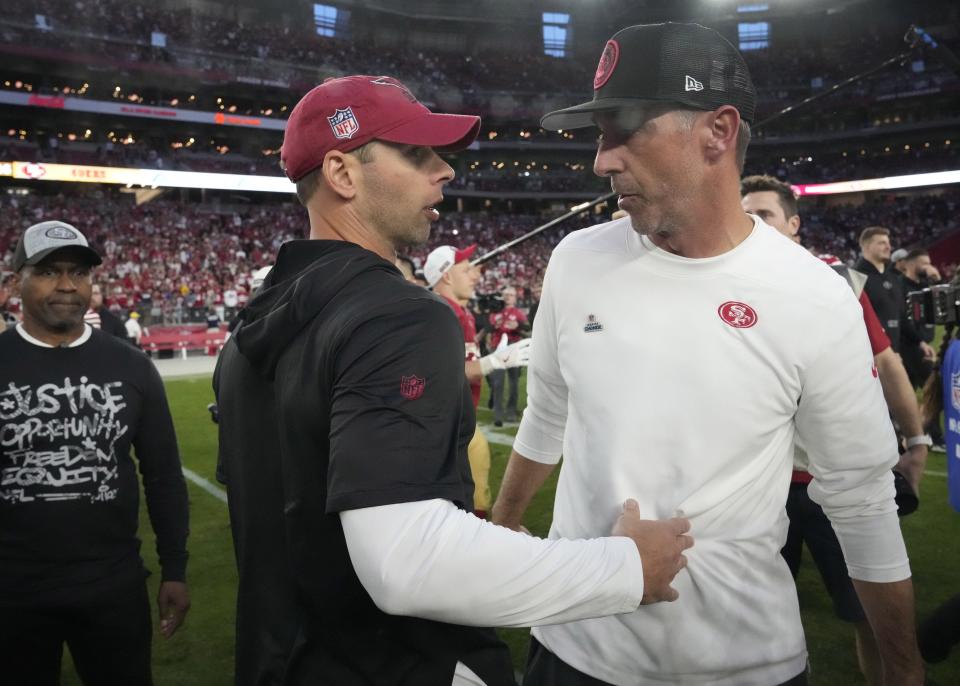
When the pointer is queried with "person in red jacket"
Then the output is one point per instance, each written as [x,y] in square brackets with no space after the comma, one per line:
[506,327]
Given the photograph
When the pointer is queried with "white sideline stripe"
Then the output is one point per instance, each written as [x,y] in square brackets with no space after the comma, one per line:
[497,437]
[492,436]
[209,487]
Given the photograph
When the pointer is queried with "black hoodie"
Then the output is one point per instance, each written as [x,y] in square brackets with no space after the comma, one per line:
[341,388]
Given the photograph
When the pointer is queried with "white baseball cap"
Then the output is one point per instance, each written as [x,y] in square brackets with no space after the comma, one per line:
[441,259]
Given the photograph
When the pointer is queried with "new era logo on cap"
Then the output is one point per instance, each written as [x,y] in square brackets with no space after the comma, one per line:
[691,84]
[655,63]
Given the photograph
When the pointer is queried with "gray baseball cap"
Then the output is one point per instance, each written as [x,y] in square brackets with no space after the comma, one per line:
[44,238]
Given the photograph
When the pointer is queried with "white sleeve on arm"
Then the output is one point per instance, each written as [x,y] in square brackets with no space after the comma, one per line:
[844,425]
[430,559]
[540,436]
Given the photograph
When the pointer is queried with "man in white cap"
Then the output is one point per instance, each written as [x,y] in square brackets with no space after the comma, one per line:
[450,274]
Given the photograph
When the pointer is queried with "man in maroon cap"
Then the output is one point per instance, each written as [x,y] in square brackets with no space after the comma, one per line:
[345,416]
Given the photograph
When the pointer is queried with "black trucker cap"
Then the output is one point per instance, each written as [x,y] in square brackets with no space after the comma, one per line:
[688,64]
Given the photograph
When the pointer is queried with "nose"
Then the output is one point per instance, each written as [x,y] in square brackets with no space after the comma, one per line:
[65,282]
[608,161]
[444,172]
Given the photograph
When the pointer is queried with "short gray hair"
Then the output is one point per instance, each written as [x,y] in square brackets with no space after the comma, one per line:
[743,134]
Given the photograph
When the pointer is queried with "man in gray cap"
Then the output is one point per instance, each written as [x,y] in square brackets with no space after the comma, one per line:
[673,359]
[73,402]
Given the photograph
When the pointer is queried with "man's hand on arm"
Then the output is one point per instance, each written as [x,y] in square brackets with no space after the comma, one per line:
[661,544]
[173,603]
[890,610]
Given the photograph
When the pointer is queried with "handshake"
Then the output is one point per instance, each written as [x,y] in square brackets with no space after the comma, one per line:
[507,356]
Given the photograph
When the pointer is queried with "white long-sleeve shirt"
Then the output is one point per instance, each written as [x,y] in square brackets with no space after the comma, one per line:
[430,559]
[684,383]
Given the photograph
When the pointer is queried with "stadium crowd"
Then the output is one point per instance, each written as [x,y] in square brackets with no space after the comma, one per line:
[175,262]
[278,53]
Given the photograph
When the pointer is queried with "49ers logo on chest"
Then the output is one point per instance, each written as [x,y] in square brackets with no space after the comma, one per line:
[344,123]
[737,314]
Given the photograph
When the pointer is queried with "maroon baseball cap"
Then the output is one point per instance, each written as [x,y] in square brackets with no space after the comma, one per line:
[345,113]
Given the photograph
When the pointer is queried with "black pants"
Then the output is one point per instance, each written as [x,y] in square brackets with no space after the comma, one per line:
[940,632]
[498,379]
[108,634]
[808,524]
[546,669]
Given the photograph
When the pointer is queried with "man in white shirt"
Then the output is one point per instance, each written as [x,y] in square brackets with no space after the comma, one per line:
[345,417]
[678,354]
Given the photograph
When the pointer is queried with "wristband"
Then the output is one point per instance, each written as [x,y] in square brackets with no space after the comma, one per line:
[914,441]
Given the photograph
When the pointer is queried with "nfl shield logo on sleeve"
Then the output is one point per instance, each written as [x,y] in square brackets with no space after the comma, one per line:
[411,387]
[344,123]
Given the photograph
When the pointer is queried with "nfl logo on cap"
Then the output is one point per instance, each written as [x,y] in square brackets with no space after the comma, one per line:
[344,123]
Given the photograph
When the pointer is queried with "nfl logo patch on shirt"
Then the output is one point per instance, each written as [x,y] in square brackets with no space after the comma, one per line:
[592,324]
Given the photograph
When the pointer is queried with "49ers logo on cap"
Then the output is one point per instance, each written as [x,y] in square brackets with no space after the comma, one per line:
[738,315]
[411,387]
[344,123]
[608,62]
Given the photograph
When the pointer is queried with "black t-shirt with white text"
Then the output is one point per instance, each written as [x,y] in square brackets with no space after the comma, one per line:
[69,497]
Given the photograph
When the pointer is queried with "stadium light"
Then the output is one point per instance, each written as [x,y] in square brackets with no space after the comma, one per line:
[160,178]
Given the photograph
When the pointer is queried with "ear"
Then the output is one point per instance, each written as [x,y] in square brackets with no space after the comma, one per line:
[722,136]
[794,223]
[340,173]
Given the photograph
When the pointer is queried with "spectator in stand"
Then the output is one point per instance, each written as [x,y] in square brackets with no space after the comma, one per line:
[6,317]
[100,317]
[506,326]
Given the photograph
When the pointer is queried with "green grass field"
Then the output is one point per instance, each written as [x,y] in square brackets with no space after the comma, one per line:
[201,654]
